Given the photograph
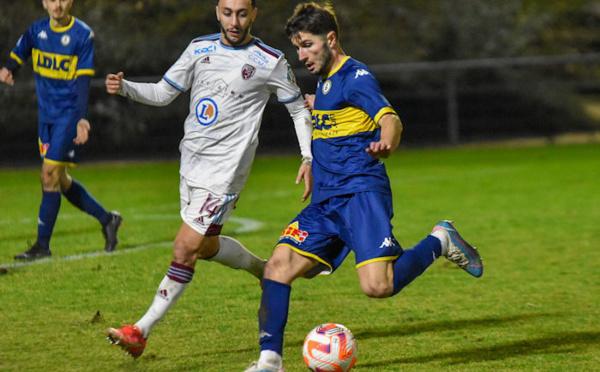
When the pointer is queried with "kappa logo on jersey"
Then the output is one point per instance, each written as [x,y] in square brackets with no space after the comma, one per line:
[206,111]
[42,35]
[248,71]
[54,66]
[293,232]
[388,242]
[361,72]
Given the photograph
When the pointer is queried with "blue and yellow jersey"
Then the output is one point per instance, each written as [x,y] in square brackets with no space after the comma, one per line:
[59,56]
[348,104]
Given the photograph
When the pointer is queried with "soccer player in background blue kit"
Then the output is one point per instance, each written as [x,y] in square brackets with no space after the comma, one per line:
[351,207]
[62,51]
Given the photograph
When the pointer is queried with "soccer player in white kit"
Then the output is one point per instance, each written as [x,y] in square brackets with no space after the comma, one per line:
[231,76]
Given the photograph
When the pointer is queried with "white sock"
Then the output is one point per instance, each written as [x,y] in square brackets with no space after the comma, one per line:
[442,235]
[270,359]
[233,254]
[167,294]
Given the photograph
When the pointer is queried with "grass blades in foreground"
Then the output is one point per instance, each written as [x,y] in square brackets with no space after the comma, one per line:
[533,213]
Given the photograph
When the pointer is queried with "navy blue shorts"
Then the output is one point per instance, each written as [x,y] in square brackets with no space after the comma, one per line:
[56,143]
[327,231]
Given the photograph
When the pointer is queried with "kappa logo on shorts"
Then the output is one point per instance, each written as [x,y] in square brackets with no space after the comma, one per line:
[388,242]
[293,232]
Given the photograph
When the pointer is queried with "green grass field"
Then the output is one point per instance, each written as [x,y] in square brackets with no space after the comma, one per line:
[533,213]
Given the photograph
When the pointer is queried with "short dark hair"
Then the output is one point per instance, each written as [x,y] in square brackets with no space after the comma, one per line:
[314,18]
[253,3]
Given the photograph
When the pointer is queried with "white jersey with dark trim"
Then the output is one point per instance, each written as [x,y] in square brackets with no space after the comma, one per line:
[230,88]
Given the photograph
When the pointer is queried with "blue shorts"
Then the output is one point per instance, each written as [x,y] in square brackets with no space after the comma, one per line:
[56,142]
[327,231]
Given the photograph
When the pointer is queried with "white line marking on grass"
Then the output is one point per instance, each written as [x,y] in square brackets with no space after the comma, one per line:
[247,225]
[85,255]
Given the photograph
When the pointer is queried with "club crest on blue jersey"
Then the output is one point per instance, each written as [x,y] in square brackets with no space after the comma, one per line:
[326,86]
[65,40]
[248,71]
[206,111]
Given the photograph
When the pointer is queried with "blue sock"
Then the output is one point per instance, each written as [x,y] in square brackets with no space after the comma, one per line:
[273,314]
[47,218]
[414,261]
[79,197]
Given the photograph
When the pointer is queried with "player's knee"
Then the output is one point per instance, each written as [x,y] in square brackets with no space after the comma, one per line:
[281,270]
[50,180]
[377,289]
[187,252]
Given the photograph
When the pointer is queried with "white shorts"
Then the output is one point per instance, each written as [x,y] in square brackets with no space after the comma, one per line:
[203,210]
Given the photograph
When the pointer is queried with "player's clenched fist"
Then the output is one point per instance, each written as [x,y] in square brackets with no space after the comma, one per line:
[113,83]
[6,76]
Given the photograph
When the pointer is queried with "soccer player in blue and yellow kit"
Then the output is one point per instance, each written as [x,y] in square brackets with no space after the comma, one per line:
[354,126]
[61,48]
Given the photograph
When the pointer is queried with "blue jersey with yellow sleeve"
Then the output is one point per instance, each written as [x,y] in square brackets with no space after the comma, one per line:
[59,57]
[348,104]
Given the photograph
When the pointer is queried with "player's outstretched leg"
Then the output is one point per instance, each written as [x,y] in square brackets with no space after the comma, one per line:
[129,337]
[458,250]
[109,230]
[233,254]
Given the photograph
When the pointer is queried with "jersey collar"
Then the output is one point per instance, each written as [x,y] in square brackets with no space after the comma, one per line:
[346,58]
[58,30]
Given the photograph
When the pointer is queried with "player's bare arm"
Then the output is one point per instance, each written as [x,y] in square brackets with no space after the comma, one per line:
[6,76]
[391,131]
[83,130]
[305,173]
[114,83]
[309,101]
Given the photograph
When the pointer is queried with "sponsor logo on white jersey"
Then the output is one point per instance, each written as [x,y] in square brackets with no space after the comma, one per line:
[208,49]
[258,58]
[206,111]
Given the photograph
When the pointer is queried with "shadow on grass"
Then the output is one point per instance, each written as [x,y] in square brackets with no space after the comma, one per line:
[556,343]
[412,328]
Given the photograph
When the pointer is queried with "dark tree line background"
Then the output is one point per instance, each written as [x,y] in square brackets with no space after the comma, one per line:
[144,37]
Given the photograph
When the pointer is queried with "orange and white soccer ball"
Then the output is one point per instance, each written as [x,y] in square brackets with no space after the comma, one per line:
[330,347]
